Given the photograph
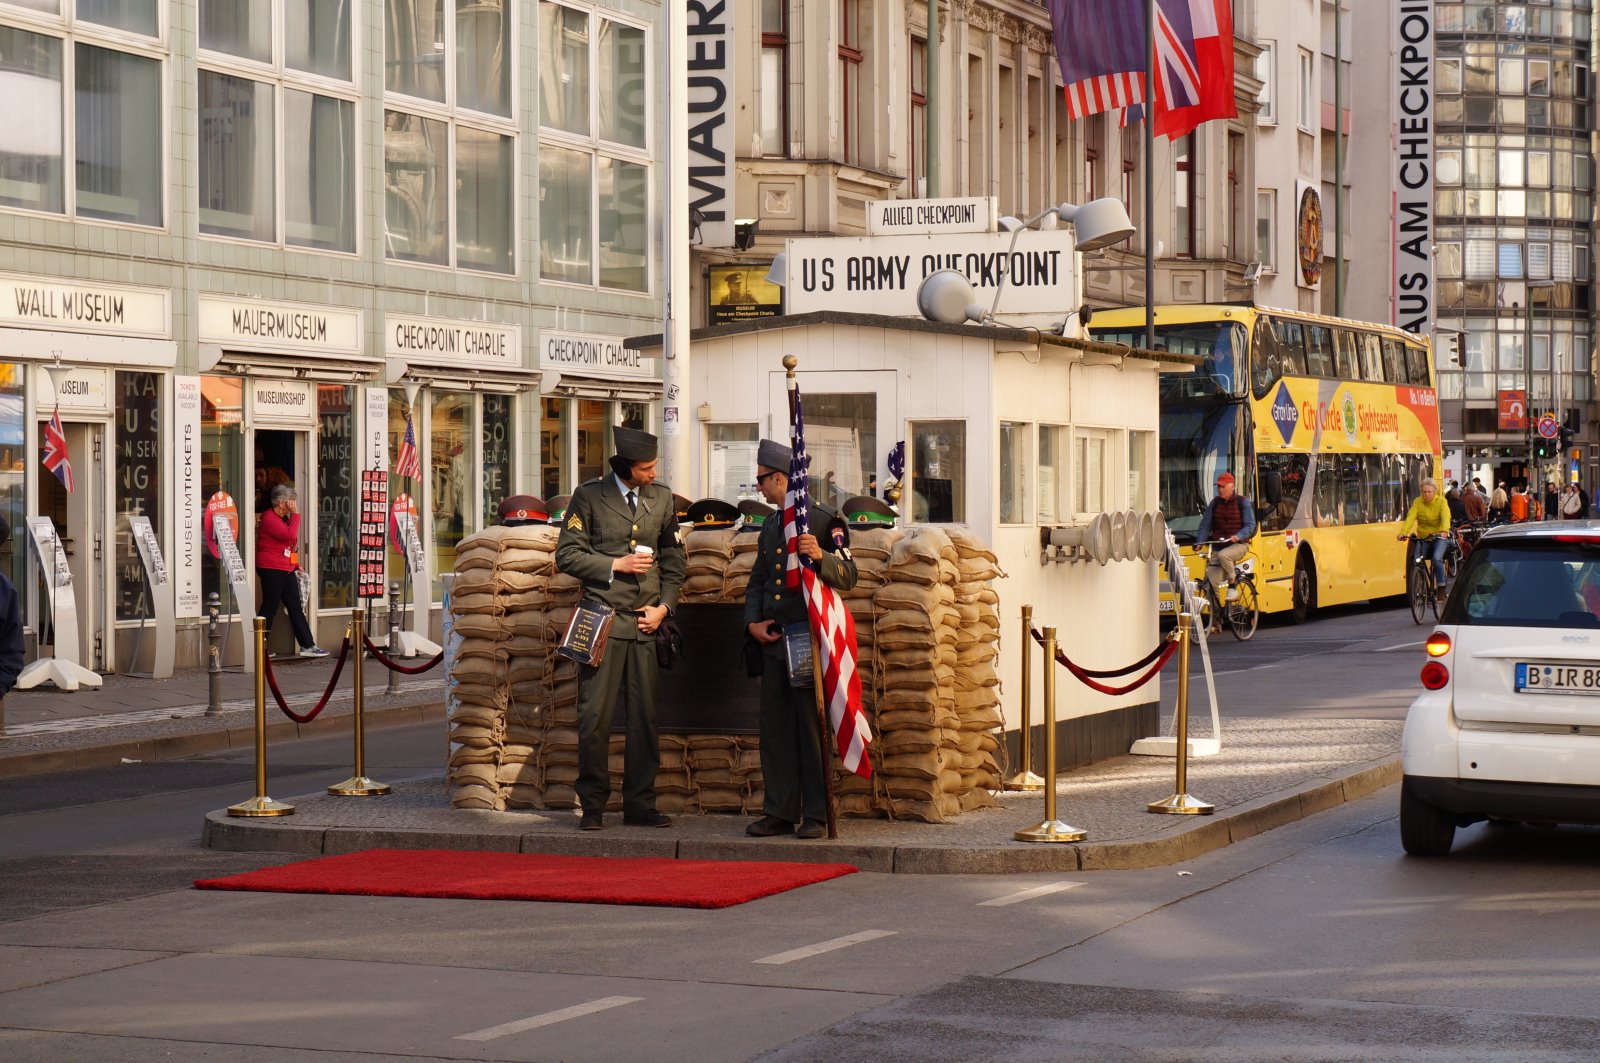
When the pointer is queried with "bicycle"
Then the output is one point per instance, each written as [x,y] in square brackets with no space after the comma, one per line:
[1422,583]
[1239,607]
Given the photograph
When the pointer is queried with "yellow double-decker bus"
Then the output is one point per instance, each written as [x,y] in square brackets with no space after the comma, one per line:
[1329,426]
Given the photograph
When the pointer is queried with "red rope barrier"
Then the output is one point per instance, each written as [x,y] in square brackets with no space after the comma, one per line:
[1084,676]
[1108,673]
[272,684]
[403,669]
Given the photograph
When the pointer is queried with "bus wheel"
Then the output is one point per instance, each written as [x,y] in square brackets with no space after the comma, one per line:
[1305,589]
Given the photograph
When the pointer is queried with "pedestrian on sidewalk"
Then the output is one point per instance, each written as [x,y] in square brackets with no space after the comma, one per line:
[10,632]
[1472,501]
[278,567]
[1499,504]
[1572,504]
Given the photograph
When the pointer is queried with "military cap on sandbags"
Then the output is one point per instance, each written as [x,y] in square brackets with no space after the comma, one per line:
[523,509]
[680,507]
[830,527]
[774,455]
[869,511]
[634,445]
[755,513]
[712,513]
[557,508]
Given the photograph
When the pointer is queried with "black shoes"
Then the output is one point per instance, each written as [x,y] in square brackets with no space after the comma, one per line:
[592,821]
[648,819]
[812,829]
[769,827]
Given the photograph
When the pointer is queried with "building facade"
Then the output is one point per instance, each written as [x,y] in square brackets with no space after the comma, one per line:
[257,241]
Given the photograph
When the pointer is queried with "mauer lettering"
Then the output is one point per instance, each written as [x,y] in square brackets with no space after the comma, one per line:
[708,99]
[281,325]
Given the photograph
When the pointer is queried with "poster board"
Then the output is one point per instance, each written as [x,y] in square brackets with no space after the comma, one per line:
[159,580]
[63,669]
[369,537]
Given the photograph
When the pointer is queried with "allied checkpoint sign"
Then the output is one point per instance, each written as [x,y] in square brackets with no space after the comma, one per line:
[881,274]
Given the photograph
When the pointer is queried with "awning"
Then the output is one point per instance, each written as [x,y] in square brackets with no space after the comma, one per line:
[290,366]
[594,387]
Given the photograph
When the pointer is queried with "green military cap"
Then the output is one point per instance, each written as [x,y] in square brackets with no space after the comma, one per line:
[557,508]
[868,511]
[712,513]
[755,513]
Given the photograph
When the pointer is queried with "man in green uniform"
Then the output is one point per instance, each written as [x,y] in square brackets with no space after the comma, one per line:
[620,537]
[792,764]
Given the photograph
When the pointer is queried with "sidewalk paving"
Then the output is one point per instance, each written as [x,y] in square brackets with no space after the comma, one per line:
[1270,772]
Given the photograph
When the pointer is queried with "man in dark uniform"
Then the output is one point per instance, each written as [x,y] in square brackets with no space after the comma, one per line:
[792,764]
[620,537]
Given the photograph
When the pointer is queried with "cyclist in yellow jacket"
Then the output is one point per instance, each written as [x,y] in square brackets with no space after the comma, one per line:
[1429,516]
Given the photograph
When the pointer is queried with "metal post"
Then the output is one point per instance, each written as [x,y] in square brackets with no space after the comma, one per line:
[1527,376]
[1149,191]
[1026,779]
[1180,803]
[1052,829]
[930,151]
[1338,159]
[261,804]
[359,785]
[213,655]
[393,686]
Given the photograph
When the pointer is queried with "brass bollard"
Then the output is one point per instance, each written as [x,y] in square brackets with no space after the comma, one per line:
[1026,779]
[359,785]
[261,804]
[1052,829]
[1180,803]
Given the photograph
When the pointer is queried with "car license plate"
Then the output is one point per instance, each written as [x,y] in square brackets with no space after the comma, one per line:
[1557,678]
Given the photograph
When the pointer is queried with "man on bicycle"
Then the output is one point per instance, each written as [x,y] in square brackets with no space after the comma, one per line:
[1428,516]
[1228,517]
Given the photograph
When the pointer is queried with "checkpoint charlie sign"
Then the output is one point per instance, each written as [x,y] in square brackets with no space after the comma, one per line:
[881,274]
[904,217]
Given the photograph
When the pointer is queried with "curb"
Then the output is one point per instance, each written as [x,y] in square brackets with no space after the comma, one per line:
[211,740]
[1193,837]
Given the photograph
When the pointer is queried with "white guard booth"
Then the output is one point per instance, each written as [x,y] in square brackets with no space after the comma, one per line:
[1008,433]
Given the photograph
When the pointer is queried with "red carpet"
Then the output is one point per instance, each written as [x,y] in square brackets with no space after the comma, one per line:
[656,881]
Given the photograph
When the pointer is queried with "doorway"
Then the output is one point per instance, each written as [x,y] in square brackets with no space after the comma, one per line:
[281,457]
[80,517]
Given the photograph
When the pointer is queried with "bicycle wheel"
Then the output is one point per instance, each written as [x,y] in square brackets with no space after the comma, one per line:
[1435,596]
[1417,593]
[1244,612]
[1210,608]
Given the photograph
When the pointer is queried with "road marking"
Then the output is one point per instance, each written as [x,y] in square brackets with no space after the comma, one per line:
[1402,646]
[1028,895]
[548,1018]
[826,946]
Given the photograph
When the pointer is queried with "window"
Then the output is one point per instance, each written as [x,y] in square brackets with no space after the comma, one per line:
[1131,146]
[1183,197]
[1094,144]
[731,460]
[850,59]
[594,151]
[1266,233]
[1236,249]
[1266,73]
[919,116]
[296,187]
[775,78]
[449,139]
[1141,459]
[1089,476]
[1053,458]
[938,471]
[336,493]
[1015,461]
[108,133]
[138,487]
[1319,351]
[1306,112]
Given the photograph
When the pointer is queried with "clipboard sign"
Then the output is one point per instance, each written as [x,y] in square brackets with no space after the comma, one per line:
[238,577]
[407,539]
[64,668]
[162,604]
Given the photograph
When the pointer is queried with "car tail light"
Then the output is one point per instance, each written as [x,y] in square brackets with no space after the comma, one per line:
[1592,540]
[1438,644]
[1435,675]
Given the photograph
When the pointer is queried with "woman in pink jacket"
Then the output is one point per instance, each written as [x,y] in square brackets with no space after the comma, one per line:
[277,558]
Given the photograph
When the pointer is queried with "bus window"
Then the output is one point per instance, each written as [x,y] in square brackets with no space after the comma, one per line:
[1319,351]
[1394,362]
[1325,492]
[1292,341]
[1266,361]
[1371,358]
[1375,487]
[1417,365]
[1345,363]
[1352,499]
[1291,469]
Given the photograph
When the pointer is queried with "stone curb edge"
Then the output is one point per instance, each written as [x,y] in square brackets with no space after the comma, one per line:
[209,740]
[1184,841]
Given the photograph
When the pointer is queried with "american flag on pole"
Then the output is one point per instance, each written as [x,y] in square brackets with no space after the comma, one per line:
[832,626]
[407,463]
[1100,46]
[55,450]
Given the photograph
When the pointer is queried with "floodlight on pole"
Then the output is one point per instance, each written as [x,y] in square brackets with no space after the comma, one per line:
[1098,223]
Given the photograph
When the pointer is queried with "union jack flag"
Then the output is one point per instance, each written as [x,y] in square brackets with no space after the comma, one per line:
[407,462]
[55,450]
[832,626]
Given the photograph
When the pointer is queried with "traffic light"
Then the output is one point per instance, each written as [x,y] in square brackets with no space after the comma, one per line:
[1541,447]
[1566,438]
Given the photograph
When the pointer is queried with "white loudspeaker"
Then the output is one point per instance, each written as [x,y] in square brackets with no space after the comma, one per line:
[1119,536]
[1147,536]
[1092,540]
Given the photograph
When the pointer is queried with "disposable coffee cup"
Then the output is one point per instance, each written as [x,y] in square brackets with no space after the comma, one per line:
[644,551]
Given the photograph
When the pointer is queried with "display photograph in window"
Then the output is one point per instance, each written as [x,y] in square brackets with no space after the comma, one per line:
[742,293]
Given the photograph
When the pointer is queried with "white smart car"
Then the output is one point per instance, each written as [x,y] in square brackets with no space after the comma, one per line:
[1508,726]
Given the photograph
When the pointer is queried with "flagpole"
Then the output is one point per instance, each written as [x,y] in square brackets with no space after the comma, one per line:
[825,732]
[1149,175]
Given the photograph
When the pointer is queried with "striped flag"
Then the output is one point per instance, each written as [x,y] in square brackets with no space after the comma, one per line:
[832,627]
[1100,47]
[407,463]
[55,450]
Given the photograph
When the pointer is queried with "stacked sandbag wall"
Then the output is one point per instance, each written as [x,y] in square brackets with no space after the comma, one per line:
[927,631]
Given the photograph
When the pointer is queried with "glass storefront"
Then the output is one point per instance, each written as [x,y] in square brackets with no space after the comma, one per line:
[594,439]
[334,537]
[497,477]
[553,448]
[454,477]
[138,483]
[13,465]
[222,464]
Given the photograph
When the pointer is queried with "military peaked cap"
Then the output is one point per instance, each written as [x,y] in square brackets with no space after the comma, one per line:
[523,509]
[712,513]
[864,509]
